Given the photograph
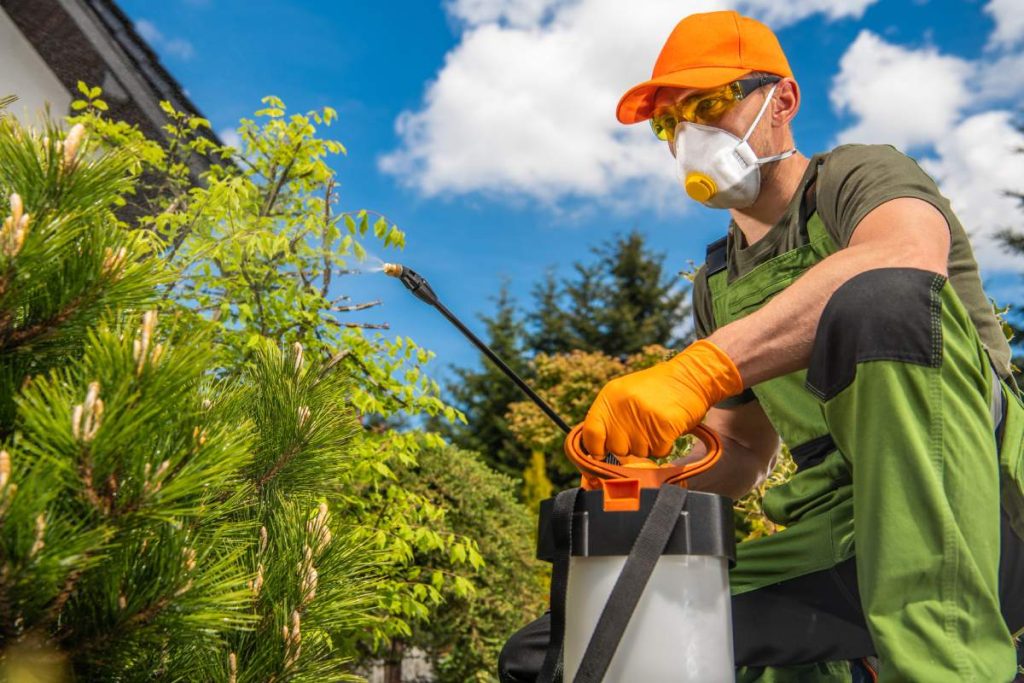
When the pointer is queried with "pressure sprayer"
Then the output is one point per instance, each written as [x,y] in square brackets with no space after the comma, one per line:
[640,585]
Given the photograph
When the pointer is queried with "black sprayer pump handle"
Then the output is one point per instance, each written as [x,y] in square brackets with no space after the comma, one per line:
[416,284]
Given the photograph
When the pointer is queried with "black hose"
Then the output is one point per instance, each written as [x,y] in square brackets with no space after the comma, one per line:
[418,285]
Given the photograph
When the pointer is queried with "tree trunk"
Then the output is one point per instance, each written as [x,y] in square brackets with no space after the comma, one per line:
[393,664]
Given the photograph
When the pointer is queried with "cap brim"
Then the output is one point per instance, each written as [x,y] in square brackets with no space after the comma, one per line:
[638,102]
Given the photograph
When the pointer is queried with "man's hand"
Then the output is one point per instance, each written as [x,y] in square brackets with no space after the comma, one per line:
[643,413]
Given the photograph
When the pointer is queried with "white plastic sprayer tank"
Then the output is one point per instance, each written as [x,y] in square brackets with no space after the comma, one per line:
[681,628]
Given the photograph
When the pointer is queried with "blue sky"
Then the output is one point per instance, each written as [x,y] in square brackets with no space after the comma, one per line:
[485,128]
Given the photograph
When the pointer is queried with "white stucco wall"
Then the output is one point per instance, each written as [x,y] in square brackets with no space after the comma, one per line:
[24,73]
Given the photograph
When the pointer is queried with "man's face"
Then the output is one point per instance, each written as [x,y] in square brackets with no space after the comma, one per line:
[736,119]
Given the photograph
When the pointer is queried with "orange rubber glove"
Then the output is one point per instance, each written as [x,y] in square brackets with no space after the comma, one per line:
[644,412]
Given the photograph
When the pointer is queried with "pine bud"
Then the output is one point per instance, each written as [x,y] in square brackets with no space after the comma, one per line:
[122,601]
[85,417]
[303,415]
[190,558]
[162,470]
[317,529]
[5,469]
[15,228]
[76,421]
[293,640]
[263,539]
[158,353]
[232,668]
[72,142]
[92,396]
[297,350]
[38,544]
[113,262]
[16,240]
[17,208]
[257,583]
[5,502]
[309,584]
[141,344]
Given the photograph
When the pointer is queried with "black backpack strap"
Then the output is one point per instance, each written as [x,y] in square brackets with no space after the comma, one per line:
[646,551]
[561,527]
[714,260]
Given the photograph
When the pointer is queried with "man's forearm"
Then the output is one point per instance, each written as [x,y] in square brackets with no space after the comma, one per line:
[739,470]
[777,339]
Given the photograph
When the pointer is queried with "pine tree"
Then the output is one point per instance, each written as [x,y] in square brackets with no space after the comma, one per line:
[643,306]
[548,320]
[617,304]
[162,517]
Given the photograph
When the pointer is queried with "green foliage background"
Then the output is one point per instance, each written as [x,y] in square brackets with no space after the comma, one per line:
[205,472]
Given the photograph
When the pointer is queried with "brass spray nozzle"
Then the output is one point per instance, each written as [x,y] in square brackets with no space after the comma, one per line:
[413,281]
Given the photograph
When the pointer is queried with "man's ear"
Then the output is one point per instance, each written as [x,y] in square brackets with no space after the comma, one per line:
[786,102]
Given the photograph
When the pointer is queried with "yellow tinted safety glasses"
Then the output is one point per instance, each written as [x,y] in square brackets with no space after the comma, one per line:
[705,106]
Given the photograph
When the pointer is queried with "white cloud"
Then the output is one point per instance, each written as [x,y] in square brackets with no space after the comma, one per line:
[876,85]
[968,144]
[175,47]
[1001,80]
[230,137]
[518,13]
[976,163]
[524,105]
[1009,18]
[776,13]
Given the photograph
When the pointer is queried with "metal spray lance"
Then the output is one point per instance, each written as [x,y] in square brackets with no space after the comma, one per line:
[418,285]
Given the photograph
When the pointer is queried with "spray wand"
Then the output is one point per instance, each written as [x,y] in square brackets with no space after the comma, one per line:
[419,287]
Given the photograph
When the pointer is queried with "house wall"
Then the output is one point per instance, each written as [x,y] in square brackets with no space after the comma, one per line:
[26,75]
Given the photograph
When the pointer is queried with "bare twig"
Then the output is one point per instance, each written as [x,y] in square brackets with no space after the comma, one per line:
[356,307]
[10,339]
[361,326]
[328,266]
[278,465]
[279,183]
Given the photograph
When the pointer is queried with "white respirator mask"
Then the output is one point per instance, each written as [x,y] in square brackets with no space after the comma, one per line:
[718,169]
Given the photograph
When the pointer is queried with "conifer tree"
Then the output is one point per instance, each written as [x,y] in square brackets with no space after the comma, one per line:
[548,321]
[159,519]
[617,304]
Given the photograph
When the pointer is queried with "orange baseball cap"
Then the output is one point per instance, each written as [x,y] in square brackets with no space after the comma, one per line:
[705,51]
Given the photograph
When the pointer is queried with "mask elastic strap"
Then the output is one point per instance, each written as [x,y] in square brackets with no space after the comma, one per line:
[757,119]
[777,157]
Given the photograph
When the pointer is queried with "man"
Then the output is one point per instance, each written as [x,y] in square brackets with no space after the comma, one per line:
[843,312]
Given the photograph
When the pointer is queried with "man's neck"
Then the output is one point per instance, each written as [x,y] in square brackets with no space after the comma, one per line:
[777,192]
